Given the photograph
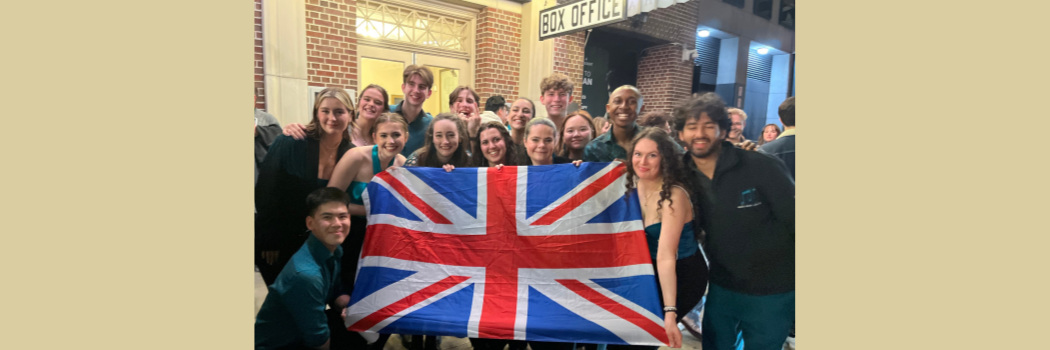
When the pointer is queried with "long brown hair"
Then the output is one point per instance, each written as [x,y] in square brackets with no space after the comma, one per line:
[510,155]
[313,130]
[428,157]
[382,91]
[762,136]
[672,167]
[560,147]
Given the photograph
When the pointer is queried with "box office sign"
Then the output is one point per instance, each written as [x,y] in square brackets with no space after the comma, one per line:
[580,15]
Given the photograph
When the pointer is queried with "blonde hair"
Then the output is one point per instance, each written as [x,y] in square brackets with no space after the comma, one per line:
[313,129]
[731,111]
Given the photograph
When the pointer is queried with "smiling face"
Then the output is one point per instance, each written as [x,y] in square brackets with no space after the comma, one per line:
[622,108]
[520,114]
[416,91]
[540,144]
[556,101]
[371,104]
[703,136]
[770,133]
[578,132]
[333,116]
[330,224]
[446,138]
[391,138]
[738,126]
[465,103]
[646,159]
[493,147]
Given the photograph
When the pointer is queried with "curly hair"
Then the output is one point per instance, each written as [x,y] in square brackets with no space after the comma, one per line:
[510,156]
[556,81]
[672,168]
[428,156]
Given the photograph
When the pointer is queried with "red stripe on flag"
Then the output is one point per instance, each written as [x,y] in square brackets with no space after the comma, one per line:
[415,298]
[413,199]
[654,329]
[584,194]
[499,311]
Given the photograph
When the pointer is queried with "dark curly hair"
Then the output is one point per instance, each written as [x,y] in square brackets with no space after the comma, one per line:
[672,168]
[428,157]
[510,156]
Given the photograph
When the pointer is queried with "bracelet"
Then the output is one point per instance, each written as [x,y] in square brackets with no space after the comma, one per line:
[670,309]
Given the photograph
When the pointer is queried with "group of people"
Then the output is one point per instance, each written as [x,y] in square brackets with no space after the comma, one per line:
[714,210]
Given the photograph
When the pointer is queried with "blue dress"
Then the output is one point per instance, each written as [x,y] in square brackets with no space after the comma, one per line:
[691,268]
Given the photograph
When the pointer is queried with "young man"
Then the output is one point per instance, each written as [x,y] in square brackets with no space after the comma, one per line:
[495,110]
[267,128]
[293,315]
[747,203]
[784,146]
[624,104]
[417,82]
[556,94]
[736,132]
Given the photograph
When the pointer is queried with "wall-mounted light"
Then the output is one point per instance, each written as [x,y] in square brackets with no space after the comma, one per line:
[703,33]
[763,51]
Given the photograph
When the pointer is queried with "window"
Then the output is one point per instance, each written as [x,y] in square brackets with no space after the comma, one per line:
[382,21]
[764,9]
[787,14]
[737,3]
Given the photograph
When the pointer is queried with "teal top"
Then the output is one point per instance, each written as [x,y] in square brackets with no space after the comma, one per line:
[357,189]
[687,245]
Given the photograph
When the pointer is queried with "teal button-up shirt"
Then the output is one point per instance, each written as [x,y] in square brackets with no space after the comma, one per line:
[293,312]
[605,149]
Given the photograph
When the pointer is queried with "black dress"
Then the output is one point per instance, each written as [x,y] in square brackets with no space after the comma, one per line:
[286,177]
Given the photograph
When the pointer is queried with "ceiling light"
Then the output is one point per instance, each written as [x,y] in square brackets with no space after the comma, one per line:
[703,33]
[763,51]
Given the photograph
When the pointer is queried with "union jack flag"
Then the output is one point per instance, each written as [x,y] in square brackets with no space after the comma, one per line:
[542,253]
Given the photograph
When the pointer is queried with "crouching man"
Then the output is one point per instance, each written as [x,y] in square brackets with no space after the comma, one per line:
[293,316]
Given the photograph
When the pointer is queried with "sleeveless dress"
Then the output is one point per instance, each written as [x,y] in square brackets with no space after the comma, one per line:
[691,268]
[355,239]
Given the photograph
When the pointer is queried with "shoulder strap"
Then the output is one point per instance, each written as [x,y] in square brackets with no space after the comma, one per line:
[376,168]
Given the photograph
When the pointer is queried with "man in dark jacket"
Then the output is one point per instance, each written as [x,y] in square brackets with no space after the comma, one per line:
[266,130]
[784,146]
[747,210]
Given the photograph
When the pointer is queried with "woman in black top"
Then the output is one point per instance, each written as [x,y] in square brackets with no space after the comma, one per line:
[494,147]
[292,169]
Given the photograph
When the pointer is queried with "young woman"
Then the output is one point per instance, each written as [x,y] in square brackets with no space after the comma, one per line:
[445,145]
[769,133]
[356,169]
[371,103]
[577,130]
[540,137]
[292,169]
[667,215]
[465,103]
[494,147]
[521,112]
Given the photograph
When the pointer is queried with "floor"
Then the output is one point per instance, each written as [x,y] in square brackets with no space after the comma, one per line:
[448,343]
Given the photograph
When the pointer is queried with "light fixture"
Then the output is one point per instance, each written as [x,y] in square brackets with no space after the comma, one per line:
[763,51]
[704,33]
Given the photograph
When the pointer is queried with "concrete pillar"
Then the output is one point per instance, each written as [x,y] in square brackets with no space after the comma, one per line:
[537,57]
[284,46]
[732,71]
[778,87]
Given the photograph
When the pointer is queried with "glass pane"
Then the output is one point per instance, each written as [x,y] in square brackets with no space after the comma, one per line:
[737,3]
[445,81]
[787,13]
[764,9]
[383,73]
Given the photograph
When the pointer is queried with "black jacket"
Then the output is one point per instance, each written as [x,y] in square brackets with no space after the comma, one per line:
[286,177]
[749,222]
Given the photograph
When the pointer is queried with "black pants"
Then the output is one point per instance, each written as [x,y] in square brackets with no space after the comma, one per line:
[497,344]
[343,339]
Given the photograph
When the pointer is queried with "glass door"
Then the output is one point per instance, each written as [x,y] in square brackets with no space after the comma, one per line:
[385,67]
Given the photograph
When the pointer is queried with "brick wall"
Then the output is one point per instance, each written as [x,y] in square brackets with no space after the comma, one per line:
[497,54]
[260,85]
[664,78]
[331,49]
[568,60]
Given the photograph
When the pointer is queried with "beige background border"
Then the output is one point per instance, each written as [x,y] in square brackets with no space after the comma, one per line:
[127,215]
